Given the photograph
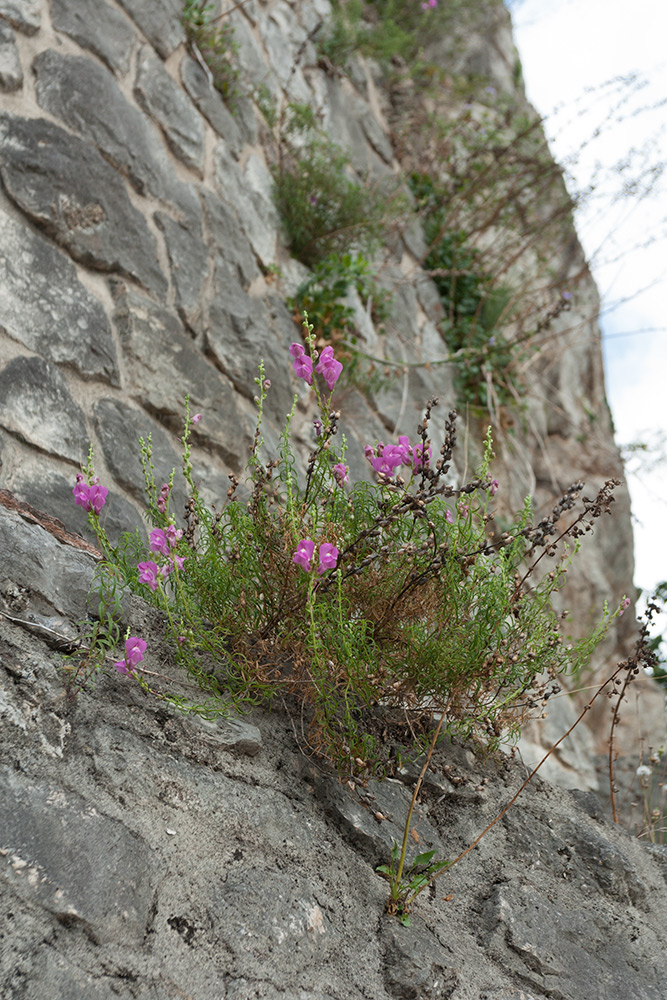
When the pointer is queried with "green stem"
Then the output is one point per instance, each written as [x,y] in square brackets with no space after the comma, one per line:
[396,884]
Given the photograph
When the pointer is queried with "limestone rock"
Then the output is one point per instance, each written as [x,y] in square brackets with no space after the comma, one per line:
[160,21]
[86,97]
[11,74]
[45,307]
[165,101]
[119,428]
[166,366]
[64,185]
[97,26]
[210,103]
[37,407]
[24,15]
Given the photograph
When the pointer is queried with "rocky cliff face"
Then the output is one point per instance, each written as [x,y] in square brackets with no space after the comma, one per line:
[142,260]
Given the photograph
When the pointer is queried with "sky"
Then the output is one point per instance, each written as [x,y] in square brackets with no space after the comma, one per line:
[570,51]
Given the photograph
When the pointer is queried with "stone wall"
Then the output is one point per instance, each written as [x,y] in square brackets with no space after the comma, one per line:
[138,259]
[141,259]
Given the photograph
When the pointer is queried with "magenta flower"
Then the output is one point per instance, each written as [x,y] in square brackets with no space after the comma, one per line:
[329,367]
[197,417]
[328,557]
[158,542]
[163,499]
[404,445]
[625,604]
[304,553]
[173,534]
[178,560]
[302,364]
[91,497]
[449,517]
[463,509]
[494,487]
[340,473]
[134,654]
[148,574]
[418,457]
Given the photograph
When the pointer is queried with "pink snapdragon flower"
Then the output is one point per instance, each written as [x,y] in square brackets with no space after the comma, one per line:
[304,553]
[197,417]
[328,557]
[134,654]
[328,367]
[148,574]
[91,497]
[173,534]
[302,364]
[340,473]
[625,604]
[494,487]
[158,542]
[163,499]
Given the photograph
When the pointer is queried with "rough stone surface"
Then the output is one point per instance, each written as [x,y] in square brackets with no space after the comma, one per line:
[63,184]
[11,74]
[189,260]
[54,576]
[164,100]
[87,98]
[160,21]
[214,860]
[25,15]
[48,490]
[37,407]
[211,104]
[165,366]
[97,26]
[45,307]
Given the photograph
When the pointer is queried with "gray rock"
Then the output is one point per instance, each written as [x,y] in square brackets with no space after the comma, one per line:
[96,26]
[165,366]
[373,818]
[85,96]
[161,97]
[25,15]
[242,331]
[119,428]
[417,967]
[63,184]
[44,306]
[56,577]
[11,74]
[257,212]
[89,871]
[160,21]
[36,406]
[231,735]
[210,103]
[189,260]
[547,949]
[226,235]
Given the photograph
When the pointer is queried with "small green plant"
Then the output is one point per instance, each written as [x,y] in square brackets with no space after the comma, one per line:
[324,210]
[213,39]
[474,309]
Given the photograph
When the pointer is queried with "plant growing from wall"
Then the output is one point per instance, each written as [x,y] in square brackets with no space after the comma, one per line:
[212,39]
[323,208]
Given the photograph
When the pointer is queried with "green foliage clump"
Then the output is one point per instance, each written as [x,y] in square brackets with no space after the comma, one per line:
[323,210]
[474,308]
[414,618]
[214,40]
